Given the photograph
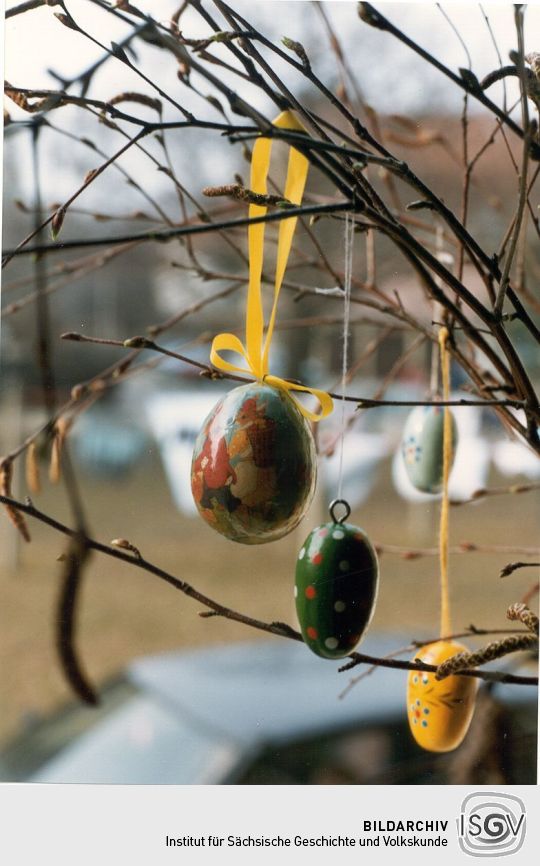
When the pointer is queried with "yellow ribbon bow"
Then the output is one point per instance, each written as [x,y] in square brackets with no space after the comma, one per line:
[256,350]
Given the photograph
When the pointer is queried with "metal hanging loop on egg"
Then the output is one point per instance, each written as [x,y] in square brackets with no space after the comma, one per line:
[332,509]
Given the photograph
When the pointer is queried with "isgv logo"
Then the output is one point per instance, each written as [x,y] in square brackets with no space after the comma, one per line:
[491,824]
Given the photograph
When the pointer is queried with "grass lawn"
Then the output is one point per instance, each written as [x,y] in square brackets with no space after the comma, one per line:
[126,612]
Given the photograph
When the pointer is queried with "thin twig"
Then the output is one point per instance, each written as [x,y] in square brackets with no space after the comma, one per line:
[472,631]
[514,566]
[485,492]
[140,342]
[22,247]
[522,181]
[24,7]
[278,629]
[168,234]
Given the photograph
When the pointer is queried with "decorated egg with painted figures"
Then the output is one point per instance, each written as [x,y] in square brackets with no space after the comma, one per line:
[440,711]
[254,465]
[422,447]
[337,579]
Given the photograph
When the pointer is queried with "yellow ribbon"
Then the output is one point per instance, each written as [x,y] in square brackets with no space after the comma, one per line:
[256,350]
[446,626]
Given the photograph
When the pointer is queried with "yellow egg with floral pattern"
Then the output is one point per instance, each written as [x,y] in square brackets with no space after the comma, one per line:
[440,711]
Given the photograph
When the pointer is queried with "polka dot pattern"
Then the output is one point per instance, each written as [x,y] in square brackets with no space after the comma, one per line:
[337,582]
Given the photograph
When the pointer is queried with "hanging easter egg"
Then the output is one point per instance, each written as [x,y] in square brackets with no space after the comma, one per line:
[336,585]
[439,711]
[422,447]
[254,465]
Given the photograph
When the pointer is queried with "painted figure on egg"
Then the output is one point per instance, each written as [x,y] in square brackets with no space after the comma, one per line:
[251,452]
[254,465]
[440,711]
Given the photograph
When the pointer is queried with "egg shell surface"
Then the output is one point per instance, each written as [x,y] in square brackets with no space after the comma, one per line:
[422,447]
[254,465]
[336,586]
[440,711]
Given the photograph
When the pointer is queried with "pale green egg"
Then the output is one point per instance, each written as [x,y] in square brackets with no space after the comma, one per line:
[422,447]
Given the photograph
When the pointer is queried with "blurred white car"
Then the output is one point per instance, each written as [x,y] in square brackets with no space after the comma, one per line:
[260,713]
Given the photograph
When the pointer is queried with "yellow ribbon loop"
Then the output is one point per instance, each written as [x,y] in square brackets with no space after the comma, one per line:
[256,350]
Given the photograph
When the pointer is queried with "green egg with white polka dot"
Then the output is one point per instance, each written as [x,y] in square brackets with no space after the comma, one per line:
[336,586]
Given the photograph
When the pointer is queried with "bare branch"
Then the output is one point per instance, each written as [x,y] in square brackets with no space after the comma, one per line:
[278,629]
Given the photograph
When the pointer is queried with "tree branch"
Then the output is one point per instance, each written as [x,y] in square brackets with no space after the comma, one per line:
[277,629]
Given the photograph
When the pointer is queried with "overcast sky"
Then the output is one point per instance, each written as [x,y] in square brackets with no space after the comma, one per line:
[34,40]
[389,74]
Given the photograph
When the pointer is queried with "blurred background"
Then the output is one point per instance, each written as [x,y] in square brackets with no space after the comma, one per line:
[131,448]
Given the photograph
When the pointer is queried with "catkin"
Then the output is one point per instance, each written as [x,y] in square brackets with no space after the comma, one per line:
[17,519]
[521,612]
[464,661]
[60,432]
[33,480]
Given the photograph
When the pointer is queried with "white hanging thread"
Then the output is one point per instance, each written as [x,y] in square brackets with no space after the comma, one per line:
[335,291]
[349,235]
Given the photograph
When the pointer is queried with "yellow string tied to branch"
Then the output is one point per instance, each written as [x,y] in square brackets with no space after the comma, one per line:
[446,627]
[256,350]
